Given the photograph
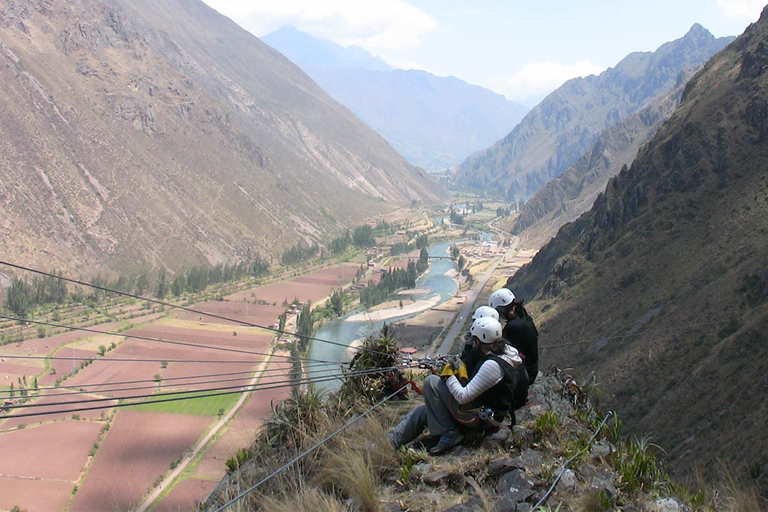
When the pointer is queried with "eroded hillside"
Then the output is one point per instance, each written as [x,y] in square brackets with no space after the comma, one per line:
[138,134]
[662,287]
[563,127]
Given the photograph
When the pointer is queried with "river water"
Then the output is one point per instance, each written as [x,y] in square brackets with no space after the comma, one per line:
[345,332]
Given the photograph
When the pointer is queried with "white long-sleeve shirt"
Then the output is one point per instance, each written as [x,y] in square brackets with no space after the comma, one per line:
[489,374]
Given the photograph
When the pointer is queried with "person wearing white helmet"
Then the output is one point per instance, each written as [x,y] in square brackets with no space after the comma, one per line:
[490,388]
[481,312]
[501,300]
[519,331]
[485,311]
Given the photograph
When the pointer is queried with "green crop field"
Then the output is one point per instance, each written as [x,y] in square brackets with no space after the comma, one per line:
[202,406]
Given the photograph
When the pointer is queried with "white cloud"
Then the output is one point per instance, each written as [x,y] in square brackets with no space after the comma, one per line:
[536,79]
[742,8]
[371,24]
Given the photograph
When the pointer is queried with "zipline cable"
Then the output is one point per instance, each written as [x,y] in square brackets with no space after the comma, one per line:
[306,452]
[158,384]
[183,308]
[205,376]
[185,392]
[149,338]
[164,400]
[573,457]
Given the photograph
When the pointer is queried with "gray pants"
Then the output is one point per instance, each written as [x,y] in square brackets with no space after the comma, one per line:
[433,414]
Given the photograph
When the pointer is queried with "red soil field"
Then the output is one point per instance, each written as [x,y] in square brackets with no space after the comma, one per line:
[256,313]
[186,495]
[34,495]
[14,371]
[63,366]
[45,346]
[139,447]
[312,286]
[40,453]
[53,398]
[201,336]
[211,466]
[106,372]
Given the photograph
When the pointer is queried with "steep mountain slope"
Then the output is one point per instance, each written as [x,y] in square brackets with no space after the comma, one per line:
[558,131]
[662,287]
[565,198]
[432,121]
[138,133]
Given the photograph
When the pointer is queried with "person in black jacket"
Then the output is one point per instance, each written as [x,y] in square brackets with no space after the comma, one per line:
[521,333]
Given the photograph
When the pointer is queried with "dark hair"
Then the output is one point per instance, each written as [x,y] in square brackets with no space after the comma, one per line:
[517,307]
[498,347]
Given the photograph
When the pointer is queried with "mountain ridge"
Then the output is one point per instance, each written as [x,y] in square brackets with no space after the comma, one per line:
[558,131]
[565,198]
[665,278]
[433,121]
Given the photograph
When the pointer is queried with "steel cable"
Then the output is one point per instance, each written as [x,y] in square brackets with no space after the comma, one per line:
[183,308]
[306,452]
[164,400]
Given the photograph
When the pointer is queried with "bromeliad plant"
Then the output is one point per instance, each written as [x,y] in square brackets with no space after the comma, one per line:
[377,351]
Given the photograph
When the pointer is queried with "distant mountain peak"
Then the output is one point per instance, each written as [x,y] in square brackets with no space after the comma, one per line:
[305,49]
[698,33]
[433,121]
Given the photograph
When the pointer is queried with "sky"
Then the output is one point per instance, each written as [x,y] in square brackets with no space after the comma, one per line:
[521,49]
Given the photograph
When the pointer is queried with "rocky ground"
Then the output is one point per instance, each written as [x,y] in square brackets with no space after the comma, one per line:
[513,469]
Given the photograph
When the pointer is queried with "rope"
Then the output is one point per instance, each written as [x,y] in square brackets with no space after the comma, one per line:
[305,453]
[183,308]
[573,457]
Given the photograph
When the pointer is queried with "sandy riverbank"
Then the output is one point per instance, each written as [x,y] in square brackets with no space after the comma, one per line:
[386,314]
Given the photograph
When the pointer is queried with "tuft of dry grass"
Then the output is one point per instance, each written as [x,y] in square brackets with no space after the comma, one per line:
[350,472]
[310,499]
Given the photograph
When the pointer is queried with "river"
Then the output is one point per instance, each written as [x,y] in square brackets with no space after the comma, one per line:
[344,331]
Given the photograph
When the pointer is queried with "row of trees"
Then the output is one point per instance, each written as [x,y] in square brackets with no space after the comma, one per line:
[198,278]
[25,295]
[305,326]
[299,252]
[394,279]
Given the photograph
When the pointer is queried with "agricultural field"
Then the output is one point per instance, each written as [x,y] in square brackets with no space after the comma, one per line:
[142,442]
[140,447]
[38,470]
[203,406]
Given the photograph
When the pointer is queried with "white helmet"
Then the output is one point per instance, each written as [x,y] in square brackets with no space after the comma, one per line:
[485,312]
[501,297]
[487,330]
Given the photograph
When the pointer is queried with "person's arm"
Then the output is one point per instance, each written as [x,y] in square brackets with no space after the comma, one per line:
[489,375]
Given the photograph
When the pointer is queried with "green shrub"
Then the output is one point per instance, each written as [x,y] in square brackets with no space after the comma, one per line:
[241,457]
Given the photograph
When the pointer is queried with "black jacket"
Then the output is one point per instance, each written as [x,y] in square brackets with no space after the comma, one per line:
[521,333]
[508,395]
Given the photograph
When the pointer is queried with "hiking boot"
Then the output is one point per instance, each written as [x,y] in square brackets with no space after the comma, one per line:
[447,441]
